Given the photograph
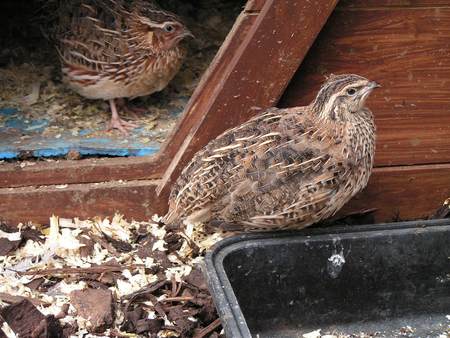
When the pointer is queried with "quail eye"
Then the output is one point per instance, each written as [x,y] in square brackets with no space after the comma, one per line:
[351,91]
[168,28]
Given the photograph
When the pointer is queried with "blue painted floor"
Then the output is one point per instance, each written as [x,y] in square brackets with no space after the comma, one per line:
[21,134]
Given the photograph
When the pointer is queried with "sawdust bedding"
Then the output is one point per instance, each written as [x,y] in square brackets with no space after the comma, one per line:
[30,78]
[104,278]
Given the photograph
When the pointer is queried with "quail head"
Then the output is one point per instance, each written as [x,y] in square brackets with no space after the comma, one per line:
[112,49]
[284,168]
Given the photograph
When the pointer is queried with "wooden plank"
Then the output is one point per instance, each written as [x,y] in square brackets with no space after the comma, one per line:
[407,51]
[134,199]
[371,4]
[409,192]
[254,5]
[406,192]
[253,74]
[21,174]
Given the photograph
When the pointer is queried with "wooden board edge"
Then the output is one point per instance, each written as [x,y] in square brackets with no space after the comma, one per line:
[32,173]
[403,192]
[133,199]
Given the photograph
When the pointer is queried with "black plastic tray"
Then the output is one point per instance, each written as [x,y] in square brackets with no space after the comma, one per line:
[393,279]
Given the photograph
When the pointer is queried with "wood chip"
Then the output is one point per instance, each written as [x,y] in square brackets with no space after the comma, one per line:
[197,279]
[35,325]
[70,271]
[207,330]
[4,297]
[95,305]
[7,246]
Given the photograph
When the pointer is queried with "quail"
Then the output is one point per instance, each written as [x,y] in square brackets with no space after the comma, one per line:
[112,49]
[284,168]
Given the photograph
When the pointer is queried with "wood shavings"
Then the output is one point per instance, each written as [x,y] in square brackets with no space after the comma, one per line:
[11,236]
[196,234]
[154,292]
[312,334]
[26,164]
[8,331]
[33,97]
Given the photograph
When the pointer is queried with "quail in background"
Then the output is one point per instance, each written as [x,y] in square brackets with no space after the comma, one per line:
[284,168]
[112,49]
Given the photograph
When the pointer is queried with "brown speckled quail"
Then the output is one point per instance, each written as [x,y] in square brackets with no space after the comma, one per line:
[285,168]
[112,49]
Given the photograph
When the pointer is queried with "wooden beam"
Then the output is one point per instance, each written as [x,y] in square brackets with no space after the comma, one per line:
[134,199]
[377,4]
[408,192]
[405,192]
[21,174]
[253,74]
[254,5]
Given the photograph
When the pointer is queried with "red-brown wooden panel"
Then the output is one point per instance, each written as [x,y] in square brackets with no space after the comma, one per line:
[135,199]
[407,192]
[254,5]
[83,171]
[370,4]
[408,52]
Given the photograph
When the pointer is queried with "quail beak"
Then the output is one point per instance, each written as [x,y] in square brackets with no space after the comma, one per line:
[373,85]
[369,87]
[367,90]
[187,33]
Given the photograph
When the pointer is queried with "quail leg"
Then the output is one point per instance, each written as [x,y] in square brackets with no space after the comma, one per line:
[117,123]
[135,112]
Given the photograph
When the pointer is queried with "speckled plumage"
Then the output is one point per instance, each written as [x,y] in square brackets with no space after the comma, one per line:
[114,50]
[284,168]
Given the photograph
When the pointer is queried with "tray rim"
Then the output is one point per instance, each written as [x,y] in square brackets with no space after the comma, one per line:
[227,306]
